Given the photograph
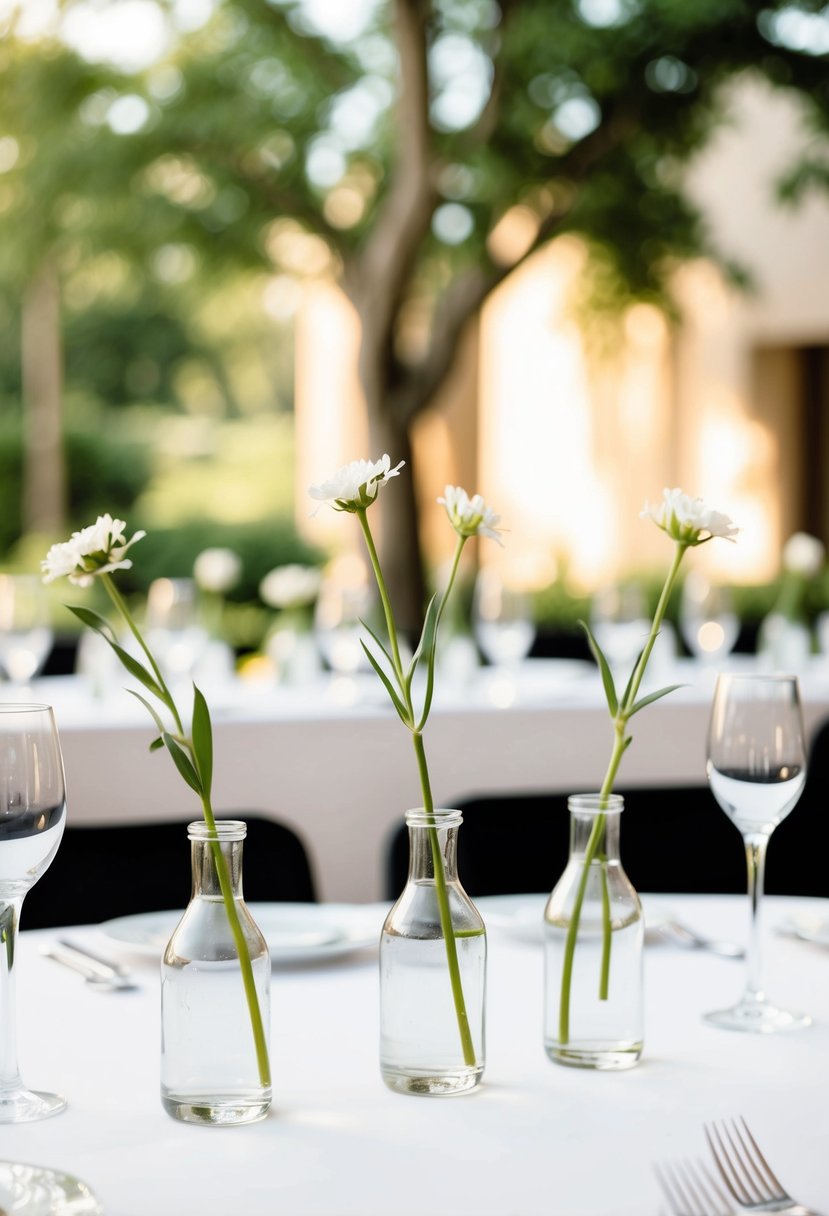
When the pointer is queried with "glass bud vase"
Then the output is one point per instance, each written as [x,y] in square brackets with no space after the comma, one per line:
[432,969]
[211,1070]
[593,947]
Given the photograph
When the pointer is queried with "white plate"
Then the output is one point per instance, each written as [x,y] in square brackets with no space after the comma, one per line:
[294,932]
[521,915]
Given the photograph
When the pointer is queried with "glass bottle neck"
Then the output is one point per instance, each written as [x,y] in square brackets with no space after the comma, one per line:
[206,850]
[582,825]
[422,838]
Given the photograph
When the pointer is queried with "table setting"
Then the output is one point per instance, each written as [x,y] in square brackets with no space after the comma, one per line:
[325,1024]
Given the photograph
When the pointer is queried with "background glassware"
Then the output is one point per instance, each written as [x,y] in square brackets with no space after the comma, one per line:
[502,618]
[620,623]
[707,619]
[756,770]
[26,635]
[175,632]
[344,600]
[32,818]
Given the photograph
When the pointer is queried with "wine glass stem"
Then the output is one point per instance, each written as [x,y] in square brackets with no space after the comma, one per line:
[9,1072]
[756,863]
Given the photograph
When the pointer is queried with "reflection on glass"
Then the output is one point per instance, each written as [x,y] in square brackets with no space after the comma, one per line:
[25,628]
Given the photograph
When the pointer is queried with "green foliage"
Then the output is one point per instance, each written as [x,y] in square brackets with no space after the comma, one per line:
[170,553]
[105,473]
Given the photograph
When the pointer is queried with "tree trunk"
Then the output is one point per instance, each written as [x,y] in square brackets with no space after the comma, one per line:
[44,473]
[396,522]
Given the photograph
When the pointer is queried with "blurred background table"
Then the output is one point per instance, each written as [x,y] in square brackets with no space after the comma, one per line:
[332,761]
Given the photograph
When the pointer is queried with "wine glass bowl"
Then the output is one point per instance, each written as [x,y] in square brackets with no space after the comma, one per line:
[707,619]
[32,819]
[756,769]
[503,620]
[174,628]
[26,635]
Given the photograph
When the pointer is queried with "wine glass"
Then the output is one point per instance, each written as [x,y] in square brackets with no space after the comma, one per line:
[32,817]
[620,623]
[175,632]
[756,769]
[502,618]
[25,628]
[707,618]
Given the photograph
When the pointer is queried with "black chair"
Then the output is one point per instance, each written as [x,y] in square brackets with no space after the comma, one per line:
[102,872]
[672,840]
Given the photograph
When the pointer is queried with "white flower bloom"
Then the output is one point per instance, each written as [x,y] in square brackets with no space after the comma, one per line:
[290,586]
[688,520]
[98,549]
[217,570]
[803,554]
[470,516]
[355,486]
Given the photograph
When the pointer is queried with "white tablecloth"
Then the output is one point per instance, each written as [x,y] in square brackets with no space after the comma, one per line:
[536,1140]
[334,762]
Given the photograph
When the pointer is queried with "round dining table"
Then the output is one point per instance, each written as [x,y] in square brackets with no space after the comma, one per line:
[536,1139]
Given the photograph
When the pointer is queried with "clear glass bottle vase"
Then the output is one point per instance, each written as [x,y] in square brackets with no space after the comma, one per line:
[432,982]
[593,947]
[215,1011]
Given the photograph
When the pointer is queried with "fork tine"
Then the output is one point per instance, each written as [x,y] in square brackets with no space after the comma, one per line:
[743,1168]
[771,1177]
[690,1190]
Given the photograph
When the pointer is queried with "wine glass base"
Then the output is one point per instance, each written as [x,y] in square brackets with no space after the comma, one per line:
[25,1106]
[42,1192]
[757,1017]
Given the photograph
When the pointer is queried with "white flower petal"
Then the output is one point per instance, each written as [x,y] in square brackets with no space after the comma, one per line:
[687,519]
[355,486]
[470,516]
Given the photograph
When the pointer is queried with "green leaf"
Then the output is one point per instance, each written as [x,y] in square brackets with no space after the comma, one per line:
[202,740]
[428,638]
[654,696]
[629,684]
[183,763]
[395,699]
[604,668]
[156,744]
[93,620]
[151,710]
[136,669]
[377,641]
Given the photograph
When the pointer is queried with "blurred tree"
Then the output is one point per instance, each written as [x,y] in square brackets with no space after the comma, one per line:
[387,145]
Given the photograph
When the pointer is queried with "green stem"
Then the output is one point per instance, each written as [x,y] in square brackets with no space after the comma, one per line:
[121,605]
[443,906]
[391,628]
[598,830]
[219,857]
[251,995]
[428,802]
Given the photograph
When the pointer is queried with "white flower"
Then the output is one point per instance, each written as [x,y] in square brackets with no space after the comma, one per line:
[803,554]
[355,486]
[470,516]
[290,586]
[98,549]
[688,520]
[217,570]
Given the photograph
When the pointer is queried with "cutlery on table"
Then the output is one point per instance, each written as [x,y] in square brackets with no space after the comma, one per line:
[98,972]
[746,1173]
[690,1190]
[679,933]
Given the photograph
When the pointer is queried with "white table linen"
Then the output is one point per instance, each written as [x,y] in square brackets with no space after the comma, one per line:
[536,1140]
[333,761]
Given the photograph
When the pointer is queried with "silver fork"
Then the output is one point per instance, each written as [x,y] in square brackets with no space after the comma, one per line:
[690,1190]
[746,1173]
